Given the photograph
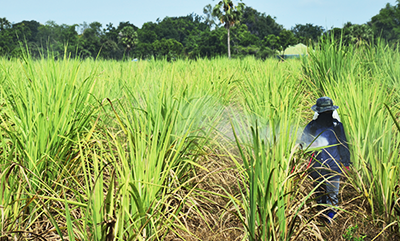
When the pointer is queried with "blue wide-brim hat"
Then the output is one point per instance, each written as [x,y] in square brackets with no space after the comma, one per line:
[324,104]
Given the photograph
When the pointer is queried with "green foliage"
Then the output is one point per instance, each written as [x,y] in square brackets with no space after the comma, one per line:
[247,51]
[210,19]
[228,13]
[260,24]
[263,136]
[4,24]
[129,38]
[147,33]
[119,165]
[207,44]
[272,42]
[90,40]
[54,38]
[38,140]
[168,48]
[385,24]
[308,32]
[265,53]
[242,37]
[117,42]
[188,31]
[351,234]
[192,32]
[329,63]
[353,34]
[27,29]
[198,35]
[286,39]
[356,34]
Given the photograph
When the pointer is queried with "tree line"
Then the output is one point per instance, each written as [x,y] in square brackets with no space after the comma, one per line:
[223,29]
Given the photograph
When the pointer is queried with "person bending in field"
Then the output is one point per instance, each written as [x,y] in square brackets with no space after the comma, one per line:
[328,163]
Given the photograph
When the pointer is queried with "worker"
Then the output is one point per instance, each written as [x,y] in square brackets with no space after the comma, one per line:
[328,163]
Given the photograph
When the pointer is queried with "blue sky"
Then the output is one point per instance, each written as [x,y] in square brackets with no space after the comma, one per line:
[325,13]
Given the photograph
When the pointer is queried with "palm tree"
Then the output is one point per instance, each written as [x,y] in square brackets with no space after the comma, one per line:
[229,15]
[129,38]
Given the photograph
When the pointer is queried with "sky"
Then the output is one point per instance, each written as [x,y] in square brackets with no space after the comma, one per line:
[325,13]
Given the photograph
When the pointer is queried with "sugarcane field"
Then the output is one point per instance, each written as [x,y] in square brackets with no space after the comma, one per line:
[206,149]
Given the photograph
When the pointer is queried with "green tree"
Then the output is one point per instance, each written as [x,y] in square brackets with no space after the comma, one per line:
[207,44]
[272,41]
[96,26]
[4,24]
[260,24]
[26,30]
[125,24]
[244,42]
[229,15]
[386,23]
[111,32]
[53,38]
[6,38]
[352,34]
[240,35]
[307,32]
[144,50]
[49,38]
[185,30]
[357,33]
[129,38]
[109,41]
[286,39]
[169,48]
[90,40]
[265,52]
[179,28]
[24,35]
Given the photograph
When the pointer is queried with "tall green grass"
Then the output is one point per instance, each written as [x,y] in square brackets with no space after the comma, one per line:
[267,141]
[46,104]
[165,130]
[108,163]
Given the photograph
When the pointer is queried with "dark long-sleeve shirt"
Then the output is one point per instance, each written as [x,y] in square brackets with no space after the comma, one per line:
[329,134]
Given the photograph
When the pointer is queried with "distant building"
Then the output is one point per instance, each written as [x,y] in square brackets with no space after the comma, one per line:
[293,52]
